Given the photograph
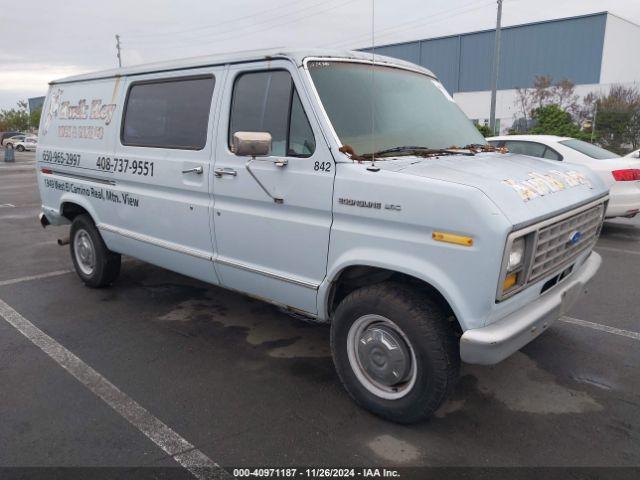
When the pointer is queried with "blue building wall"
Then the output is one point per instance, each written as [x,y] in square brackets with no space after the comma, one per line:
[568,48]
[35,103]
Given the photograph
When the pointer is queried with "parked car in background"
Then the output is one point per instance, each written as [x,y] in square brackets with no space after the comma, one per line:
[11,141]
[6,135]
[29,143]
[634,154]
[621,174]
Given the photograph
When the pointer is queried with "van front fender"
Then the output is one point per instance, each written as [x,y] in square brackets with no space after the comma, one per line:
[399,262]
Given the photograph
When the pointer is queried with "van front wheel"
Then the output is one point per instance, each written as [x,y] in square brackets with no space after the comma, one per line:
[394,351]
[95,264]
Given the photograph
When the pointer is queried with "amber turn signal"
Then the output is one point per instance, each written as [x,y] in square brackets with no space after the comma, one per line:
[509,282]
[452,238]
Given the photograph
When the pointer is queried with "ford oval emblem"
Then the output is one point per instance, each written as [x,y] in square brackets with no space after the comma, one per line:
[575,237]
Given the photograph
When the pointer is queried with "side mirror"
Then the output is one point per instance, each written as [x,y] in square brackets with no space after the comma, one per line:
[251,144]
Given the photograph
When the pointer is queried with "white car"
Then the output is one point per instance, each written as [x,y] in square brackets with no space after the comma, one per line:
[621,174]
[634,154]
[10,142]
[29,143]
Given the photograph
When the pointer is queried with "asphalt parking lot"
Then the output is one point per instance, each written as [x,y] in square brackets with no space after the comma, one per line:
[245,385]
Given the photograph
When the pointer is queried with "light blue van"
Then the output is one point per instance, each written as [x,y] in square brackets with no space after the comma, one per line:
[342,188]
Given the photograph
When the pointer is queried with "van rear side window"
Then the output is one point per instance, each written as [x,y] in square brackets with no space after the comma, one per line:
[168,113]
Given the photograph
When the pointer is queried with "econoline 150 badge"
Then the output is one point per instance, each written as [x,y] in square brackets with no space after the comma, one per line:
[538,184]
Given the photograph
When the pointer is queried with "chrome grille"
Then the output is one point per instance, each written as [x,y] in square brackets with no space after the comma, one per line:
[555,247]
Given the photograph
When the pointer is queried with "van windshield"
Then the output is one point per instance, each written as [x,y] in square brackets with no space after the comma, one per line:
[409,108]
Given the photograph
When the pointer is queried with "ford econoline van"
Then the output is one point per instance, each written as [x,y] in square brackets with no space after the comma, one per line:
[341,187]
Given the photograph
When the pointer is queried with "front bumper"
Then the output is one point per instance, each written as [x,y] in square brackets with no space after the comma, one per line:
[495,342]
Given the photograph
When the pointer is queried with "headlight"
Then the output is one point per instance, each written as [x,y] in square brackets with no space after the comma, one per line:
[515,264]
[516,255]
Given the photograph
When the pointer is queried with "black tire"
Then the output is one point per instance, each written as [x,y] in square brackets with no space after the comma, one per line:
[20,148]
[106,264]
[433,341]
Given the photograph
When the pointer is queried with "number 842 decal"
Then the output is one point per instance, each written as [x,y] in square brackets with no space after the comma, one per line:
[322,167]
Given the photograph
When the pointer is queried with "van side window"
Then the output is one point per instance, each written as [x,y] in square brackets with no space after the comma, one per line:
[269,102]
[301,140]
[168,113]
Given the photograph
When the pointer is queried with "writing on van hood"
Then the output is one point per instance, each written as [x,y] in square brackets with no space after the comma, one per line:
[80,110]
[538,185]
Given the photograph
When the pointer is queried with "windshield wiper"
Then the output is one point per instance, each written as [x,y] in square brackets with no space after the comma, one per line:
[418,152]
[395,151]
[405,151]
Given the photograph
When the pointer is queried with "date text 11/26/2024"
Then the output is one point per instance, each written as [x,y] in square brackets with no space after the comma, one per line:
[316,472]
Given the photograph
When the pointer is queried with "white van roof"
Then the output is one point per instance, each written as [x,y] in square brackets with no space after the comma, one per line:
[297,56]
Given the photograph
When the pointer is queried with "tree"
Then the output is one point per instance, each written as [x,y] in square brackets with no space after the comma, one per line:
[634,130]
[485,130]
[543,93]
[618,119]
[585,113]
[563,94]
[34,117]
[553,120]
[15,119]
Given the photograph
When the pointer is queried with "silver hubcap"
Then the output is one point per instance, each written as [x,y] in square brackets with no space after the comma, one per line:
[381,356]
[84,252]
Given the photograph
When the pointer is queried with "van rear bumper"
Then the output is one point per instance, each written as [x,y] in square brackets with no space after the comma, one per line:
[495,342]
[50,216]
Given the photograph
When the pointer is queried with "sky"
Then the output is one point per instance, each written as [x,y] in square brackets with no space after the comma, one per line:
[57,39]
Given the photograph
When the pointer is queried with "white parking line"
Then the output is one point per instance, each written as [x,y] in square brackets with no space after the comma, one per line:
[163,436]
[18,168]
[602,328]
[619,250]
[12,187]
[33,277]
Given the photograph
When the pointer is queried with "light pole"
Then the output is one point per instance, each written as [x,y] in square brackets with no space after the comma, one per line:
[494,71]
[595,118]
[118,50]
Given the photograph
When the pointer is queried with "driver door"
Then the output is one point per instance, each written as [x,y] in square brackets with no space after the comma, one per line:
[273,214]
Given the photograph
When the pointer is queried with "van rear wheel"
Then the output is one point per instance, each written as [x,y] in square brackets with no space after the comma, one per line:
[394,351]
[95,264]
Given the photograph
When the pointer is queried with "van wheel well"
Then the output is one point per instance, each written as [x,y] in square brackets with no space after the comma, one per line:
[72,210]
[359,276]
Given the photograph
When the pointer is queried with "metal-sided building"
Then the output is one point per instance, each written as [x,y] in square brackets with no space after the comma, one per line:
[593,51]
[35,103]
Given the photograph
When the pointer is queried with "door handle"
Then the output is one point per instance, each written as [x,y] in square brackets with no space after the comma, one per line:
[219,172]
[281,162]
[197,170]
